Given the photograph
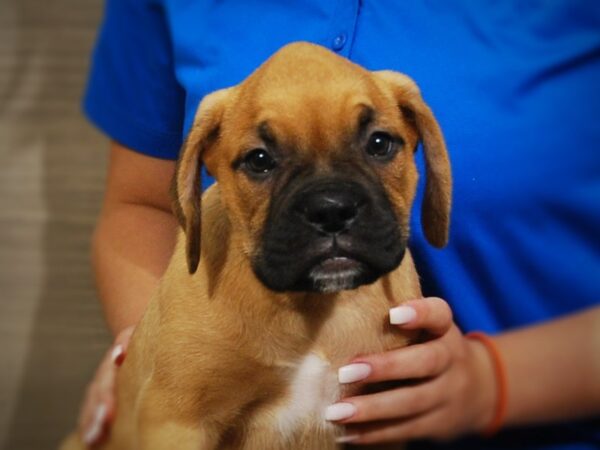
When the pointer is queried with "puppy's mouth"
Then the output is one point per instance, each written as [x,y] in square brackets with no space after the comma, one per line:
[336,273]
[328,265]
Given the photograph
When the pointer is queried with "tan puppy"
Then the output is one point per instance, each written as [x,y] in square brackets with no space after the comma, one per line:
[303,253]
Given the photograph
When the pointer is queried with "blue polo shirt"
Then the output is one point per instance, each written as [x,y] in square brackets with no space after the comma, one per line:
[515,86]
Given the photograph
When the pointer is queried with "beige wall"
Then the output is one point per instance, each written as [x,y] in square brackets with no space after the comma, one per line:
[51,179]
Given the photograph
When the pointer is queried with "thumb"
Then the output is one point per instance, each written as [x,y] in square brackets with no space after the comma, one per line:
[431,314]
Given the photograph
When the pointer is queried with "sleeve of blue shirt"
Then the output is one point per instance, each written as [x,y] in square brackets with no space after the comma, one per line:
[132,94]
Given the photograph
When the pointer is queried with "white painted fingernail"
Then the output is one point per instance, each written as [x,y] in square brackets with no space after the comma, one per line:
[402,314]
[116,353]
[339,411]
[348,438]
[353,372]
[93,432]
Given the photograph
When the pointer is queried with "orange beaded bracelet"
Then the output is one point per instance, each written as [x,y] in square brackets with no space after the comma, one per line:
[501,382]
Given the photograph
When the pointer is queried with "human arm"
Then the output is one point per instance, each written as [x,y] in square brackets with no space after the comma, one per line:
[131,246]
[134,236]
[553,371]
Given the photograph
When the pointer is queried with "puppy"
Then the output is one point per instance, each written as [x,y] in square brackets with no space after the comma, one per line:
[301,255]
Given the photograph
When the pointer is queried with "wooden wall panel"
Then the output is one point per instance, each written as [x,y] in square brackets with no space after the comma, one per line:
[52,166]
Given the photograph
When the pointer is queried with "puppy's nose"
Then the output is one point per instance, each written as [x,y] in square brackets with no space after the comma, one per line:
[331,212]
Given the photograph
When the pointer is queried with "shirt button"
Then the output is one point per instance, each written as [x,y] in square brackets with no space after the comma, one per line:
[339,41]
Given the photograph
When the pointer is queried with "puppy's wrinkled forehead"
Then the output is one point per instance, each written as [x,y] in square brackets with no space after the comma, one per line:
[306,93]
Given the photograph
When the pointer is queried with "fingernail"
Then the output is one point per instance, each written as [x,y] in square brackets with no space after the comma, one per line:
[353,372]
[401,315]
[118,355]
[93,432]
[339,411]
[348,438]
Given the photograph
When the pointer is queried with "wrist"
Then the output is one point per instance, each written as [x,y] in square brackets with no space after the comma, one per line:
[483,392]
[494,384]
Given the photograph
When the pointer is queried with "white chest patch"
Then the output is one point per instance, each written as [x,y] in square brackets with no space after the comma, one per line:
[313,388]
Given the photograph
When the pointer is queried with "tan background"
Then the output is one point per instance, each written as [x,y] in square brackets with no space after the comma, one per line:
[52,166]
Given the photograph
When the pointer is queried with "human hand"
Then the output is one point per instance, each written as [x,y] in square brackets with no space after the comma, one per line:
[99,404]
[451,389]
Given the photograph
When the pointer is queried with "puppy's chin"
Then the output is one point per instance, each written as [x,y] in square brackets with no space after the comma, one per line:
[336,274]
[326,275]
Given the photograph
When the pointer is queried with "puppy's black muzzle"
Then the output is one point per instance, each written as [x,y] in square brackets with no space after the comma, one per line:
[327,235]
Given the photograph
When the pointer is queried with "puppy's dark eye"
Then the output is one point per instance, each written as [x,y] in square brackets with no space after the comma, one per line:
[259,161]
[381,145]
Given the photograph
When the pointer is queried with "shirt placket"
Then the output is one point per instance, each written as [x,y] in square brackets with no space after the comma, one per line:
[343,27]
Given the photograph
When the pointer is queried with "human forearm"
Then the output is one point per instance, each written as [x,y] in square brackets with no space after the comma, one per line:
[132,245]
[553,369]
[134,236]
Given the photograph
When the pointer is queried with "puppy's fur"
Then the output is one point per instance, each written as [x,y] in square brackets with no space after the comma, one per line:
[303,252]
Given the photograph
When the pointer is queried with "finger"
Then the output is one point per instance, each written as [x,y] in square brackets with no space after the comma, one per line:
[92,416]
[426,360]
[100,414]
[431,425]
[392,404]
[124,336]
[117,355]
[99,404]
[104,376]
[86,413]
[119,349]
[431,314]
[94,433]
[92,398]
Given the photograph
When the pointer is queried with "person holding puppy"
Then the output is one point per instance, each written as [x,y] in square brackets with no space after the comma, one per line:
[514,87]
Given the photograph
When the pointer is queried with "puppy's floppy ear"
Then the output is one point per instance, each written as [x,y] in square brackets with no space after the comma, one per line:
[186,186]
[435,211]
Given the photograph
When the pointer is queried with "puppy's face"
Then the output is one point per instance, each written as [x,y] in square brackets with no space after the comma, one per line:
[315,162]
